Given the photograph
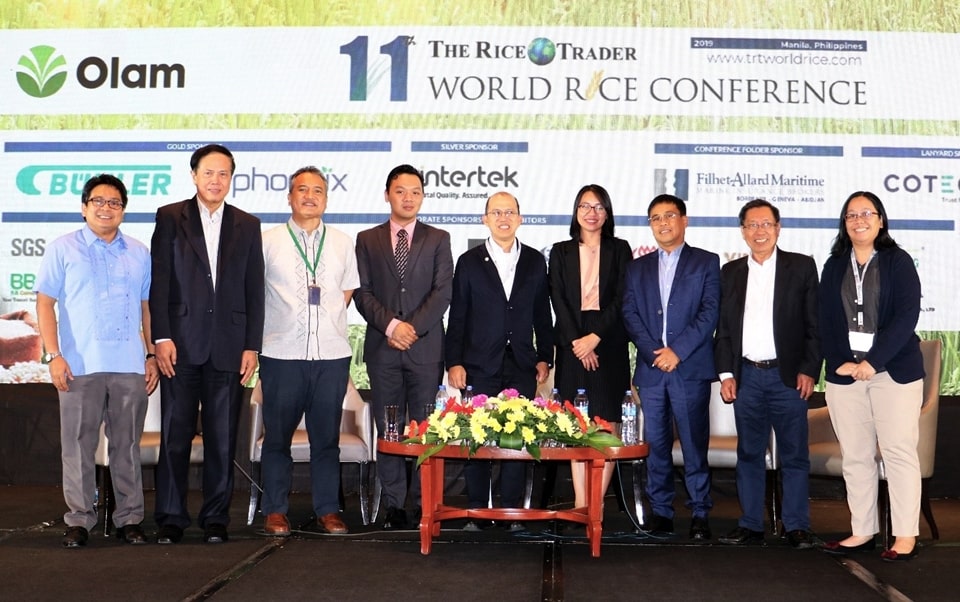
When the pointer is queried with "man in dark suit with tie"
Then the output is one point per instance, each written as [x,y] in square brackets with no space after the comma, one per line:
[768,357]
[206,304]
[406,271]
[670,309]
[500,333]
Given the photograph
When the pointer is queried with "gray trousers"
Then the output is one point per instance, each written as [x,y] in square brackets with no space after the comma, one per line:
[119,401]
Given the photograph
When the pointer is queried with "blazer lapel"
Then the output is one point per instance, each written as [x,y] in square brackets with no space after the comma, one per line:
[490,270]
[193,230]
[227,238]
[386,250]
[572,268]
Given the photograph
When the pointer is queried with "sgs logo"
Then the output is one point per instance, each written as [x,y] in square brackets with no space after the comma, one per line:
[27,247]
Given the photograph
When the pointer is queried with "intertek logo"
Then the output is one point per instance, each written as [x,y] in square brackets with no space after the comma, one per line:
[44,71]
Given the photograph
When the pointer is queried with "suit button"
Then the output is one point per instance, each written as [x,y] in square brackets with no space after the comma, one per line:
[209,311]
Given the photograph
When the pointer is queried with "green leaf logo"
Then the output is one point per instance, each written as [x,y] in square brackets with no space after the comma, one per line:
[46,72]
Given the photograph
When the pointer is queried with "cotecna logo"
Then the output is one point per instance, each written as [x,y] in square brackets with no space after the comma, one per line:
[42,72]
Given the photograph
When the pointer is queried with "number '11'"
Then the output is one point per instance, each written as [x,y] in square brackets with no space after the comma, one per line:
[396,50]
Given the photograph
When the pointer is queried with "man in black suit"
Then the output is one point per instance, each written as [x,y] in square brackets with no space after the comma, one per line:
[403,347]
[206,301]
[500,333]
[768,357]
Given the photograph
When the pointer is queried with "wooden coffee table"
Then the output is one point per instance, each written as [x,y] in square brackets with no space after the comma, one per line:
[431,486]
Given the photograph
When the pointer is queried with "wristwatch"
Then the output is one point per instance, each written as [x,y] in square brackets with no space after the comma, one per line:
[150,356]
[49,357]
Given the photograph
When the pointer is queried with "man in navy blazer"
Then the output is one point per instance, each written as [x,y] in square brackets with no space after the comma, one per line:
[671,304]
[207,307]
[498,340]
[403,347]
[768,357]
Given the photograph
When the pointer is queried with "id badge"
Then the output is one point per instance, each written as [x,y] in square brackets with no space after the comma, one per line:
[861,341]
[313,295]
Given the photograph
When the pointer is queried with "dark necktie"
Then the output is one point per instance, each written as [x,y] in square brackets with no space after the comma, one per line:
[401,253]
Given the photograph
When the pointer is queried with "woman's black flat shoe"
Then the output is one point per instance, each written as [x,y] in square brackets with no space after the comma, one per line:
[894,556]
[834,547]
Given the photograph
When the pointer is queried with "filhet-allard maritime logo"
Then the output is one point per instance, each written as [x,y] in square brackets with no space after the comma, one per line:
[46,71]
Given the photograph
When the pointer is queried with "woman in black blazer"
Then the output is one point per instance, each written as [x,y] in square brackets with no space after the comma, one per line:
[586,289]
[869,307]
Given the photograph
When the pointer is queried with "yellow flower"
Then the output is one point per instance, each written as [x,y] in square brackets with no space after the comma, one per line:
[510,427]
[542,427]
[528,435]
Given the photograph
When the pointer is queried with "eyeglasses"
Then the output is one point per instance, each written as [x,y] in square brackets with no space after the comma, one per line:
[587,208]
[669,216]
[754,226]
[498,213]
[99,202]
[864,215]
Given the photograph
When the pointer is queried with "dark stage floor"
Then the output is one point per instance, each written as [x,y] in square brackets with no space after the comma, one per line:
[535,564]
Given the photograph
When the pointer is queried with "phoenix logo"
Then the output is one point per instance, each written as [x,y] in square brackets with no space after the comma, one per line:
[45,72]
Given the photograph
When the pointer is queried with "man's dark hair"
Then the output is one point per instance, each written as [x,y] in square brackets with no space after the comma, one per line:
[104,179]
[399,170]
[755,203]
[667,198]
[209,149]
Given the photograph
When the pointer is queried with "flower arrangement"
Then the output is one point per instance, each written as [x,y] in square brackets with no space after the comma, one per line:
[510,421]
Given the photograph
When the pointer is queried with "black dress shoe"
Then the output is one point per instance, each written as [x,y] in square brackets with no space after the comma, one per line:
[169,534]
[215,533]
[396,518]
[834,547]
[659,525]
[894,556]
[132,534]
[741,536]
[75,537]
[800,539]
[700,529]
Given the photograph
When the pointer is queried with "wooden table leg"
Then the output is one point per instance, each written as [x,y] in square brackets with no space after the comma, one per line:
[595,504]
[428,503]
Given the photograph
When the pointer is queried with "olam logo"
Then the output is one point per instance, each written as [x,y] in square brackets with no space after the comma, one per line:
[46,72]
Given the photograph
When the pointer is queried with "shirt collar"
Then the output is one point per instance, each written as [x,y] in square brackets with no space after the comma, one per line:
[90,238]
[663,253]
[298,231]
[772,260]
[216,216]
[395,227]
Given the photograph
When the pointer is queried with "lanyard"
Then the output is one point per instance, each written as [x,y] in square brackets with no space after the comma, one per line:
[303,253]
[858,280]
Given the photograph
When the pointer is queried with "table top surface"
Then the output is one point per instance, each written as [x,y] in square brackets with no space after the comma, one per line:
[455,450]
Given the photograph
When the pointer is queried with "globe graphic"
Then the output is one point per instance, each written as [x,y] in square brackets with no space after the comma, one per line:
[541,51]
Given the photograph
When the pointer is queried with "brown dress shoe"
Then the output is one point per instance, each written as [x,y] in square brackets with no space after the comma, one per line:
[331,523]
[276,525]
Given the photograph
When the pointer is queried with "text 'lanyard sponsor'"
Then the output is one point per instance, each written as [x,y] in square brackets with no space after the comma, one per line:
[858,280]
[303,252]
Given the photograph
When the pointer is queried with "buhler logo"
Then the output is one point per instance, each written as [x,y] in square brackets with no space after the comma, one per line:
[46,72]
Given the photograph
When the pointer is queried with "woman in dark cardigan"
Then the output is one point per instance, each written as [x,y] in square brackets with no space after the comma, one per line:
[869,307]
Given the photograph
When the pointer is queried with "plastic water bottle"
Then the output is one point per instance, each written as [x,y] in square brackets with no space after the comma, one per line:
[555,396]
[466,400]
[441,401]
[628,420]
[582,403]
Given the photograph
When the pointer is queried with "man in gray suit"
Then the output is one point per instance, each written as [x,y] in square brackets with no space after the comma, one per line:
[406,275]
